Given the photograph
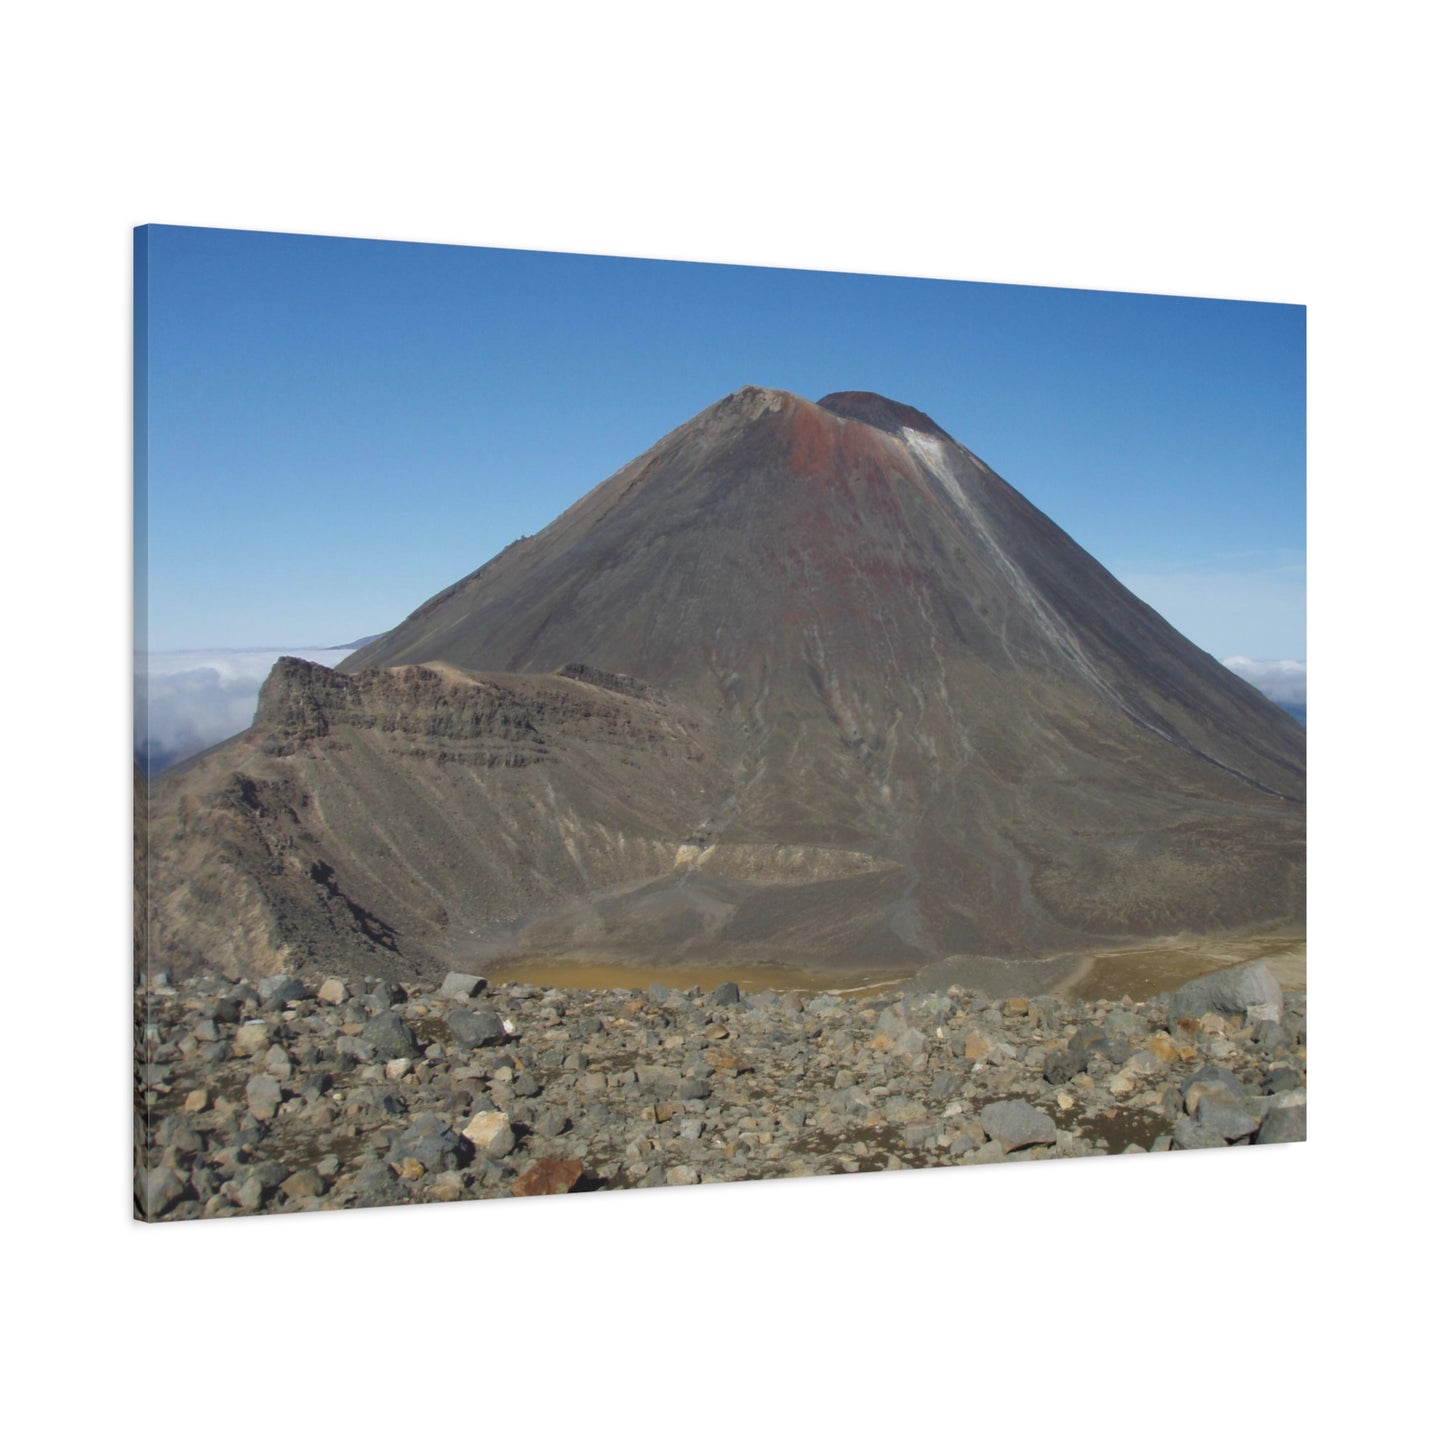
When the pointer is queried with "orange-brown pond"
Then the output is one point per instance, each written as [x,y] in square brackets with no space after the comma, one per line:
[1140,971]
[751,977]
[1166,964]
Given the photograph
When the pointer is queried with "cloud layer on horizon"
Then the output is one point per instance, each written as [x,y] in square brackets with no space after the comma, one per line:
[186,702]
[1282,680]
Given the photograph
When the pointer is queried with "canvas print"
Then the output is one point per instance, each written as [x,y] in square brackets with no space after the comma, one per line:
[605,723]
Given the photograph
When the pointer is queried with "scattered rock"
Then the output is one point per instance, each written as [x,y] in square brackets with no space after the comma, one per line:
[1283,1126]
[303,1184]
[448,1187]
[1191,1134]
[1016,1125]
[990,1153]
[389,1035]
[977,1046]
[263,1096]
[333,991]
[466,985]
[1232,991]
[1226,1118]
[492,1134]
[252,1037]
[475,1028]
[161,1188]
[432,1142]
[364,1093]
[548,1176]
[280,990]
[1214,1083]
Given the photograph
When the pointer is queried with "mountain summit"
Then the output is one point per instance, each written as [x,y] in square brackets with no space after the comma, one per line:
[803,682]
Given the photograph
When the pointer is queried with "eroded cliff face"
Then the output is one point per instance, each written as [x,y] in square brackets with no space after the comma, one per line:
[496,722]
[805,682]
[372,815]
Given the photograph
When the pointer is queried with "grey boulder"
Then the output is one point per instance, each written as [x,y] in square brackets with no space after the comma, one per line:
[432,1142]
[1016,1124]
[281,989]
[1283,1126]
[263,1096]
[468,985]
[389,1035]
[161,1188]
[1232,991]
[473,1028]
[1226,1118]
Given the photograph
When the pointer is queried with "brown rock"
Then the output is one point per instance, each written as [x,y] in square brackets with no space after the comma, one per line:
[1163,1047]
[548,1176]
[333,991]
[448,1187]
[1017,1008]
[972,1134]
[977,1046]
[252,1037]
[303,1184]
[196,1101]
[1216,1091]
[411,1168]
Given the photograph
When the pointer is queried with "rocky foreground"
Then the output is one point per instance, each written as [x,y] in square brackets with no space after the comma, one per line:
[321,1094]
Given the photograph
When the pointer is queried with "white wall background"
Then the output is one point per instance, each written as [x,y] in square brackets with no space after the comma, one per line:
[1269,152]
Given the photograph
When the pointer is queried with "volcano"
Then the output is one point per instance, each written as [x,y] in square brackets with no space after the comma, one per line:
[805,683]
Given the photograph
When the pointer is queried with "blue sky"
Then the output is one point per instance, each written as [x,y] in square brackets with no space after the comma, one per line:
[340,428]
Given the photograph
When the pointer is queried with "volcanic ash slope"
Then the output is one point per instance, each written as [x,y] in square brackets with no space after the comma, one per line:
[803,683]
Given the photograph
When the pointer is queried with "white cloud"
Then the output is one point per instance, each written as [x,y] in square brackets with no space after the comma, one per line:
[185,702]
[1282,680]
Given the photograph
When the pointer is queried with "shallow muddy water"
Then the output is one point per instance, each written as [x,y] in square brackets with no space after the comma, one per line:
[1140,972]
[752,978]
[1164,965]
